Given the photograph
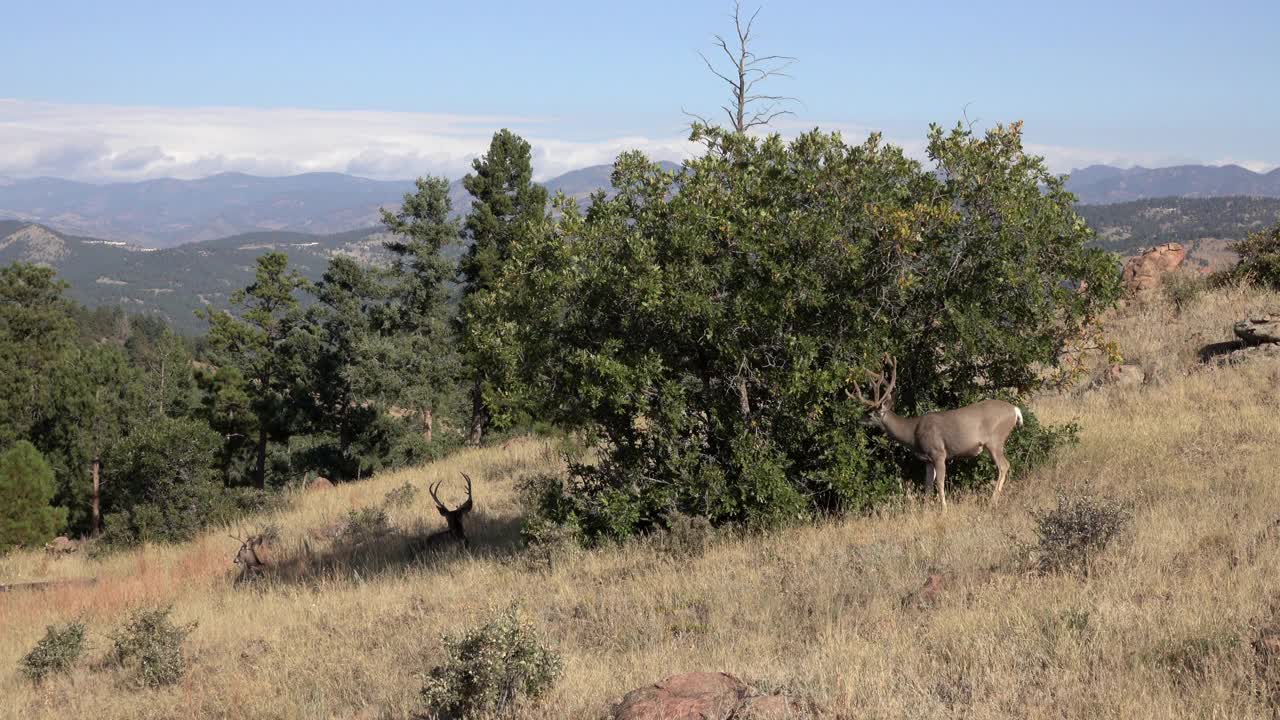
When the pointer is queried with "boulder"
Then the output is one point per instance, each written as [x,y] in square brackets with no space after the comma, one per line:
[704,696]
[319,484]
[61,545]
[1144,272]
[1260,330]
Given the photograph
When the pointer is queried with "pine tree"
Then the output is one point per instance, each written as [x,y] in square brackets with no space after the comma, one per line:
[506,202]
[26,488]
[253,342]
[415,360]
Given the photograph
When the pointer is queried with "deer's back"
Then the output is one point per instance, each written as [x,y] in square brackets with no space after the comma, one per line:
[967,430]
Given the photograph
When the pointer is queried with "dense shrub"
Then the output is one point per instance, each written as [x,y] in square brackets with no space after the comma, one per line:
[1070,536]
[702,327]
[56,652]
[489,670]
[26,488]
[1259,259]
[149,645]
[160,484]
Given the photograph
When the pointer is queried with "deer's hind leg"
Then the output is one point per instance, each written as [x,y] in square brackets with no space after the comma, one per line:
[1002,470]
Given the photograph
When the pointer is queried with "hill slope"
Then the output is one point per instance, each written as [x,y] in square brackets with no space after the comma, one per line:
[1160,628]
[172,283]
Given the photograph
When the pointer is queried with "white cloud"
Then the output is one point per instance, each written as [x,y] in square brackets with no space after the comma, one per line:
[113,143]
[107,142]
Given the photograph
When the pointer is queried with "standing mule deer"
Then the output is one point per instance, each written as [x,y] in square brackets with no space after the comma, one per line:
[934,437]
[455,532]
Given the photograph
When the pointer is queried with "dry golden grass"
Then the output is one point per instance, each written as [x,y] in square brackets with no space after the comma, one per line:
[1161,629]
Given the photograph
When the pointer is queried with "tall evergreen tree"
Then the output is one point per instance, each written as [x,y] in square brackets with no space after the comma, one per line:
[26,488]
[253,342]
[506,202]
[416,363]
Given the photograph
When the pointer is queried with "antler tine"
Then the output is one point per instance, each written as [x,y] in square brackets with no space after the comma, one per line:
[432,489]
[466,506]
[893,373]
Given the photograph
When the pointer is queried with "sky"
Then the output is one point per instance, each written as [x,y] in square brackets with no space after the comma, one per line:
[126,90]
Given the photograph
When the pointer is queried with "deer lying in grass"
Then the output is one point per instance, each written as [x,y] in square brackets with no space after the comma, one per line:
[454,533]
[934,437]
[255,554]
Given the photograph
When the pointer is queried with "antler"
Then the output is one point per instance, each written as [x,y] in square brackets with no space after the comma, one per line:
[881,389]
[466,506]
[432,489]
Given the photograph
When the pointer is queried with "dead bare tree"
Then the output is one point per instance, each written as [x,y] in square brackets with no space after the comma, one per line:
[749,107]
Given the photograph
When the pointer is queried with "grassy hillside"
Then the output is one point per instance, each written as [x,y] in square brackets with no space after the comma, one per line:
[1160,629]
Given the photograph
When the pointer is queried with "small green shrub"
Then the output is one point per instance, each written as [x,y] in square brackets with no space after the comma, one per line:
[1071,535]
[150,646]
[684,536]
[56,652]
[366,524]
[1182,289]
[489,670]
[400,497]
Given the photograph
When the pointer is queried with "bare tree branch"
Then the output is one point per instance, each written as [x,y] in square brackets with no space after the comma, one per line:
[747,70]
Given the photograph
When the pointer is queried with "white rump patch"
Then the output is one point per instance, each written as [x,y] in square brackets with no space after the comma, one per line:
[1018,413]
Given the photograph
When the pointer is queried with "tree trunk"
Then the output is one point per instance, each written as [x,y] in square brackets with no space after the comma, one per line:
[478,418]
[94,469]
[260,472]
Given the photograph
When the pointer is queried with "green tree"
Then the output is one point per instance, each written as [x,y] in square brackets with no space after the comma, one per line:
[26,489]
[703,327]
[37,336]
[506,203]
[1259,258]
[413,358]
[252,342]
[160,481]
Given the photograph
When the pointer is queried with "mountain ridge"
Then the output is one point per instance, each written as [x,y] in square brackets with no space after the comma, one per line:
[167,212]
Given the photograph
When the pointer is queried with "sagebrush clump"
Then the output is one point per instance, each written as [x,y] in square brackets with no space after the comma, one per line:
[400,497]
[489,670]
[56,652]
[366,524]
[149,645]
[1071,535]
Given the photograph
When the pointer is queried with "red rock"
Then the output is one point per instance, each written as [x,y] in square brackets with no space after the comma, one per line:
[703,696]
[1144,272]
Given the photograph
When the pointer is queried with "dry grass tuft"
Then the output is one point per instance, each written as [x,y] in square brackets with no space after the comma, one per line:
[1176,621]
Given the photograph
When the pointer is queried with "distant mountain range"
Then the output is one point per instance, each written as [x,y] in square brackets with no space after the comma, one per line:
[1099,184]
[168,213]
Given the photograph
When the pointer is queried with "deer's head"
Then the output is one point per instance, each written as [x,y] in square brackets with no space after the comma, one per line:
[454,517]
[881,401]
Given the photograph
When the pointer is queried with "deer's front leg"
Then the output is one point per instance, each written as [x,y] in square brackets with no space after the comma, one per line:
[939,465]
[929,479]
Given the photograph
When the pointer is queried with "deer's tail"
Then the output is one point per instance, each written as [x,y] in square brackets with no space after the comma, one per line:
[1018,413]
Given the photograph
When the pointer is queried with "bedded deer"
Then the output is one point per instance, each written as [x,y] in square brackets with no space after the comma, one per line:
[937,436]
[454,533]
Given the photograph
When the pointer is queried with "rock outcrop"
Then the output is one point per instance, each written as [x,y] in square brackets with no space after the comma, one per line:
[705,696]
[1259,330]
[1144,272]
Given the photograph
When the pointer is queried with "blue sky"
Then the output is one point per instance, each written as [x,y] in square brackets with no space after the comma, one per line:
[137,89]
